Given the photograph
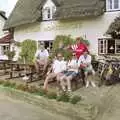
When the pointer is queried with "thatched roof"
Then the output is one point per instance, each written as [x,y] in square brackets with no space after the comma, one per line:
[29,11]
[2,13]
[80,8]
[115,26]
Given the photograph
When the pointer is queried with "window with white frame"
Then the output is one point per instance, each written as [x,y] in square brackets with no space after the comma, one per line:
[109,46]
[48,12]
[117,46]
[5,48]
[102,46]
[112,5]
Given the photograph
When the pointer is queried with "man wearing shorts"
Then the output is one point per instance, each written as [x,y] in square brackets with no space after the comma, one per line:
[41,58]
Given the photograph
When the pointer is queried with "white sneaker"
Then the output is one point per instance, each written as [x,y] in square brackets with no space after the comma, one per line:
[87,84]
[69,90]
[64,89]
[93,84]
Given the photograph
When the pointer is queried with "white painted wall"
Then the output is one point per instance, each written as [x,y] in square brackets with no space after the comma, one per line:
[2,21]
[92,28]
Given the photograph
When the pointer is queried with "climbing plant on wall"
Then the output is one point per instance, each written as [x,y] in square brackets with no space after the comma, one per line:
[28,49]
[63,41]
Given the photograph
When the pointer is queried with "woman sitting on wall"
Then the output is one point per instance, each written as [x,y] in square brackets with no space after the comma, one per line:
[69,74]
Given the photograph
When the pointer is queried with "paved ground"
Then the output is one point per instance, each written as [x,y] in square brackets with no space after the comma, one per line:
[17,110]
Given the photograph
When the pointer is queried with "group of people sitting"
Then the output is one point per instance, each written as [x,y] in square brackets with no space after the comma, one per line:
[65,71]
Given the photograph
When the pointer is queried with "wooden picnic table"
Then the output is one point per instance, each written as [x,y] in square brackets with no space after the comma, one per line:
[19,68]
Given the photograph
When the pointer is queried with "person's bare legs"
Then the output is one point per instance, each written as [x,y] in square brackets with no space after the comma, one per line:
[61,78]
[87,82]
[45,65]
[37,66]
[69,82]
[50,76]
[92,80]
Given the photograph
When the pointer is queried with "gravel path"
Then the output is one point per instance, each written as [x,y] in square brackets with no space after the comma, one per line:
[16,110]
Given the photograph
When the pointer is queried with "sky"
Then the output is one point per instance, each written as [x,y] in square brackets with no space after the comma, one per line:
[7,6]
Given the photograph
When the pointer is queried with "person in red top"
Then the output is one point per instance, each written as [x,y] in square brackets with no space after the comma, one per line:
[79,48]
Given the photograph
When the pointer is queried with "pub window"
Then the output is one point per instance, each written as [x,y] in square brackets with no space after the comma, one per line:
[102,46]
[109,46]
[117,46]
[112,5]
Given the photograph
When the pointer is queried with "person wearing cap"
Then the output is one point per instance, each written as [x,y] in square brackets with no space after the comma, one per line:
[84,63]
[41,57]
[79,48]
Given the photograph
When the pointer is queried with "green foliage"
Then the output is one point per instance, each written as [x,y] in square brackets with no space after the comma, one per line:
[75,99]
[22,87]
[7,84]
[28,49]
[51,95]
[41,92]
[13,85]
[10,54]
[63,97]
[85,42]
[32,89]
[18,44]
[1,82]
[93,57]
[62,41]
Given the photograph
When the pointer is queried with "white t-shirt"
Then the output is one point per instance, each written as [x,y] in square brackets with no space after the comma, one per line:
[85,60]
[41,54]
[73,64]
[59,66]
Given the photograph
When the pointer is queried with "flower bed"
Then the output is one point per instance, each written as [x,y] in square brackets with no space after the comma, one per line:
[40,92]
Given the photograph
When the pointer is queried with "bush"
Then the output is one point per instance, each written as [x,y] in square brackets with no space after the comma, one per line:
[63,97]
[22,87]
[63,41]
[1,81]
[41,92]
[75,99]
[51,95]
[13,85]
[32,89]
[28,49]
[60,42]
[6,83]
